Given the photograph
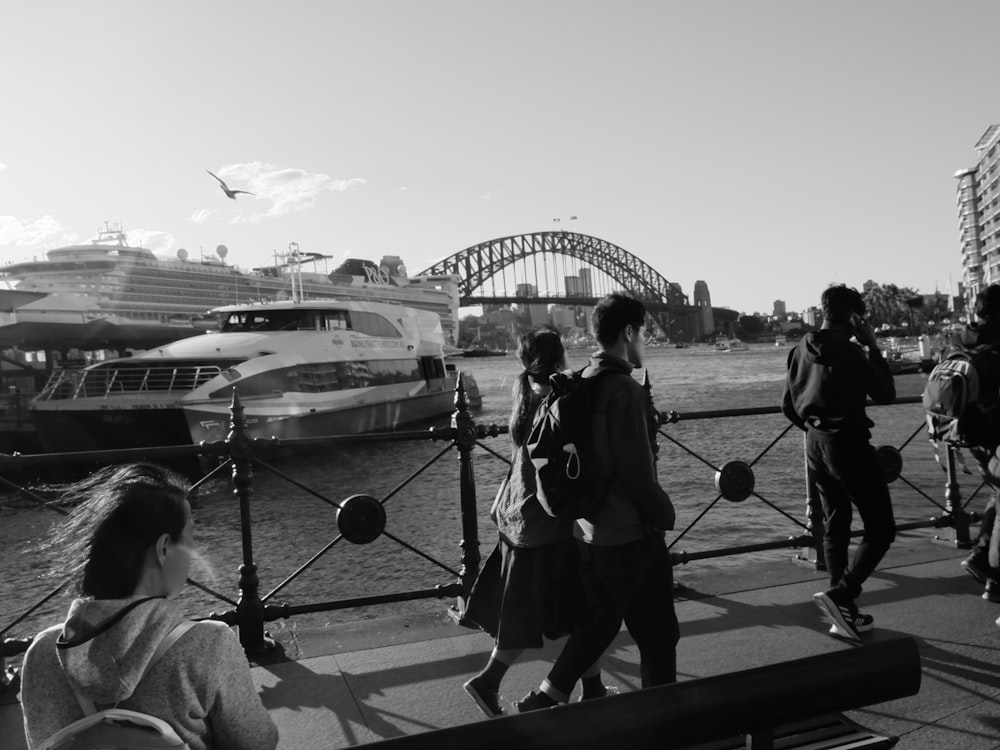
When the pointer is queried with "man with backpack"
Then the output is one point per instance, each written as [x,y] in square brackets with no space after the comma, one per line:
[624,562]
[828,382]
[979,344]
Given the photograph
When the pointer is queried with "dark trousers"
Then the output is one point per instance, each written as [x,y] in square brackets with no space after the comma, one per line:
[988,543]
[632,582]
[846,474]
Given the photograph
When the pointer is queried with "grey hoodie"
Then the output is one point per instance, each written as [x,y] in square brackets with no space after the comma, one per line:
[201,686]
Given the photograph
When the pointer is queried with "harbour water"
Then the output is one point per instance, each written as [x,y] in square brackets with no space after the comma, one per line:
[290,526]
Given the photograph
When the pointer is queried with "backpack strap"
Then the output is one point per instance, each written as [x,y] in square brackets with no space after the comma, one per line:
[88,706]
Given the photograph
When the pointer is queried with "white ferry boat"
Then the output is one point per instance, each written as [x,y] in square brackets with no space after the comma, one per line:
[302,369]
[85,289]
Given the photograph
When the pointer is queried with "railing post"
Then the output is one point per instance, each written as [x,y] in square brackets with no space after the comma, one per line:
[654,421]
[465,440]
[959,519]
[249,607]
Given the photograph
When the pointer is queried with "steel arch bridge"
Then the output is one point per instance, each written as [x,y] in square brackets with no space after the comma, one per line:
[476,265]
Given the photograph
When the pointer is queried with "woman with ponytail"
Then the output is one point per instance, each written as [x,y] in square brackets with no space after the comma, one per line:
[529,586]
[126,642]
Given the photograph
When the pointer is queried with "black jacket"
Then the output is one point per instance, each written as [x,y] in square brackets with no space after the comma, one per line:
[828,382]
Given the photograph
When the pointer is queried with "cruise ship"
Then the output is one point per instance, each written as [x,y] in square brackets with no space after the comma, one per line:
[109,289]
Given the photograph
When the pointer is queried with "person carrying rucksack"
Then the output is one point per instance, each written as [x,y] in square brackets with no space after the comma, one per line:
[529,587]
[828,382]
[625,566]
[979,341]
[128,546]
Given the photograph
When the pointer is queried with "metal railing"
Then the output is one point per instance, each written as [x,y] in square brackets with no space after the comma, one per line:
[361,518]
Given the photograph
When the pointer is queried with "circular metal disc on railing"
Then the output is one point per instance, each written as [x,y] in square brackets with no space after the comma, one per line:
[361,519]
[890,462]
[735,481]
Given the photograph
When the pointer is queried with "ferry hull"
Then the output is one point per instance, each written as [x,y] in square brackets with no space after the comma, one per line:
[80,429]
[213,424]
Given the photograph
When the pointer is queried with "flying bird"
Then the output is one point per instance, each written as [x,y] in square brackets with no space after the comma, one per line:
[225,188]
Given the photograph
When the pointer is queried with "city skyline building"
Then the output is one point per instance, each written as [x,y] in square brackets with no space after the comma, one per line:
[779,308]
[978,203]
[538,313]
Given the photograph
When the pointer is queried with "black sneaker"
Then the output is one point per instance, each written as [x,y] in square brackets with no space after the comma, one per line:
[487,700]
[992,592]
[534,701]
[977,567]
[839,616]
[862,623]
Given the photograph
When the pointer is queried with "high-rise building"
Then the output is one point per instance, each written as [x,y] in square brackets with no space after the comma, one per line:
[979,215]
[779,308]
[538,314]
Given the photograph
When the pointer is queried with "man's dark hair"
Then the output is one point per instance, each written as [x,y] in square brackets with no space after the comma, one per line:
[988,304]
[840,302]
[614,314]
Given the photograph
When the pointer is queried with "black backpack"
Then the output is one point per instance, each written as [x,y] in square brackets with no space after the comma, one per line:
[961,398]
[570,483]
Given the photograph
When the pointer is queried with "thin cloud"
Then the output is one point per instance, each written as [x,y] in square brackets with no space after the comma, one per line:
[202,215]
[43,232]
[2,166]
[288,189]
[152,239]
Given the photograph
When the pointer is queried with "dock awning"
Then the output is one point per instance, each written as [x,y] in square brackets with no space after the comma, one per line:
[97,334]
[11,299]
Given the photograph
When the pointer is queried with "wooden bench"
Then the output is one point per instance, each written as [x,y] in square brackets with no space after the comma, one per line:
[793,704]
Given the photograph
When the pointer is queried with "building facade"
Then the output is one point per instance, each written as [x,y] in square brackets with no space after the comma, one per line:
[979,215]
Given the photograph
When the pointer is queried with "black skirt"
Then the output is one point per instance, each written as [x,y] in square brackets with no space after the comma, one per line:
[525,593]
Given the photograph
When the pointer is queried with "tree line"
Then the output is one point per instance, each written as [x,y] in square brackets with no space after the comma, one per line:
[895,307]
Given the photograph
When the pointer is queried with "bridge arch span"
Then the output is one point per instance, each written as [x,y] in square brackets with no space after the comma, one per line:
[477,264]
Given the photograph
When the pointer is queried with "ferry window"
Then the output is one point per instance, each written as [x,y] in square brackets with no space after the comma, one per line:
[321,377]
[373,324]
[234,322]
[431,368]
[309,321]
[336,320]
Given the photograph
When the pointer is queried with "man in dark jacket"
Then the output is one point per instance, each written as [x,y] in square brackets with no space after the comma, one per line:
[625,566]
[829,379]
[983,564]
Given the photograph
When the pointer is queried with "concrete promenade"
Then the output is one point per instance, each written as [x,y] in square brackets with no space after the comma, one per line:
[360,683]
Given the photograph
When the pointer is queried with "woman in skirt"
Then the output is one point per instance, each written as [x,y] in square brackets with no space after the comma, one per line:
[529,586]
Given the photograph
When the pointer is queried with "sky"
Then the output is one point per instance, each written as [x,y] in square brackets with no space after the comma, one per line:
[769,148]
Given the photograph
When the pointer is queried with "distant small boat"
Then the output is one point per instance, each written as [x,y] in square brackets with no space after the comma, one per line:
[900,365]
[730,345]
